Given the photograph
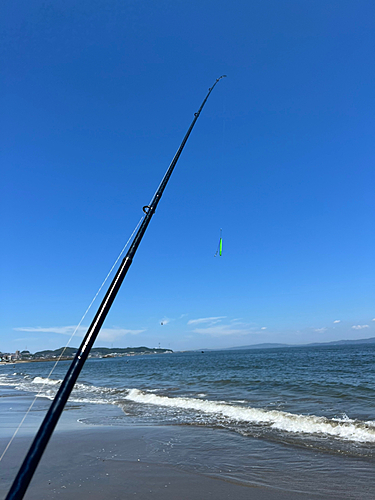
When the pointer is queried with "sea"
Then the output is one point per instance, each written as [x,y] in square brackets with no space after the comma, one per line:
[297,418]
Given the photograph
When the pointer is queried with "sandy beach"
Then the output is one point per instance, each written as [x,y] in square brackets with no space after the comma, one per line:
[109,462]
[100,464]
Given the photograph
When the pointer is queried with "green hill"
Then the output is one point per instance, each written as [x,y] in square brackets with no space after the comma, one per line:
[97,352]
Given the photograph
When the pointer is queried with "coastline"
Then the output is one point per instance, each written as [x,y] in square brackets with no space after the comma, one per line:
[20,361]
[70,358]
[102,462]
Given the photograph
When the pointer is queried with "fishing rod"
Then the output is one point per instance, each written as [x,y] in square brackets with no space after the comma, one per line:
[30,463]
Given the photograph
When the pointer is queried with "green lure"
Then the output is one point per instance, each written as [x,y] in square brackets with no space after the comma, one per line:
[220,246]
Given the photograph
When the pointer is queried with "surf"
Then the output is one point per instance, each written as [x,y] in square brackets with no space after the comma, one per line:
[345,429]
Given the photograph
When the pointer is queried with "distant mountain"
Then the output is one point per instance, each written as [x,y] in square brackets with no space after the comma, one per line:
[257,346]
[272,346]
[371,340]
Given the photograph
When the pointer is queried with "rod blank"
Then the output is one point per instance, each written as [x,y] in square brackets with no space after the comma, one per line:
[46,429]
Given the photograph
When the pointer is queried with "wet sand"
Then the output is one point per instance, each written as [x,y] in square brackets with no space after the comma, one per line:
[109,462]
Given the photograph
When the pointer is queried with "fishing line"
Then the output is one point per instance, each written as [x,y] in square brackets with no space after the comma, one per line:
[70,339]
[223,142]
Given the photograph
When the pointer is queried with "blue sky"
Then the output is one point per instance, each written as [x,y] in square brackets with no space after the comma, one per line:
[96,97]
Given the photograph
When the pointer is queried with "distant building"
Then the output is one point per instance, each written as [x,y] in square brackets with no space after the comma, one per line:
[9,357]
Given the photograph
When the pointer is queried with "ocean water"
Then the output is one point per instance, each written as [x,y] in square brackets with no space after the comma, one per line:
[301,418]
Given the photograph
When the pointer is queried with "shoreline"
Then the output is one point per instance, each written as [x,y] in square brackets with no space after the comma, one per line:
[19,361]
[111,462]
[71,358]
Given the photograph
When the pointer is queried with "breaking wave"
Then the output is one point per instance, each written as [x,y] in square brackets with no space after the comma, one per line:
[345,429]
[46,381]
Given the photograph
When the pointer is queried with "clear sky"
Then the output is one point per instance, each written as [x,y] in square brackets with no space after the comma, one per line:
[96,96]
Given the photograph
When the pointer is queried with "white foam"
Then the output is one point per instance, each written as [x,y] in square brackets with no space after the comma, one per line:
[345,429]
[45,381]
[6,380]
[47,387]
